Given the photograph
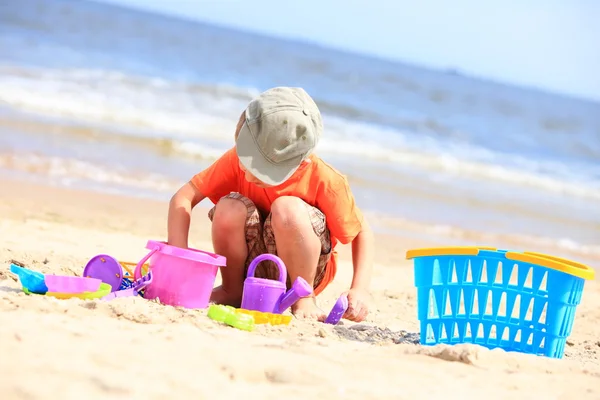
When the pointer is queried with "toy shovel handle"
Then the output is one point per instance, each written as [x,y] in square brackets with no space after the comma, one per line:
[338,310]
[137,274]
[142,282]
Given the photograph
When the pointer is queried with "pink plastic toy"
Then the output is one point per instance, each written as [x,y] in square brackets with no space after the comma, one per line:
[180,277]
[71,284]
[267,295]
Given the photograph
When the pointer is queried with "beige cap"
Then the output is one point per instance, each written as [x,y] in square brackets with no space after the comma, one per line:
[283,126]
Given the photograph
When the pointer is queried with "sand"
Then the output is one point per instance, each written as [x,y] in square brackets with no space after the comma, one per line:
[137,349]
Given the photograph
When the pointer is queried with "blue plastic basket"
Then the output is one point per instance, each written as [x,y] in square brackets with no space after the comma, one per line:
[521,302]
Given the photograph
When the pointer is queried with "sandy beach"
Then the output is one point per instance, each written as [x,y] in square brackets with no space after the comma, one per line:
[99,101]
[136,349]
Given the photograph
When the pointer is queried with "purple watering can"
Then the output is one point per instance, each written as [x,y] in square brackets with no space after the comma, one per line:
[268,295]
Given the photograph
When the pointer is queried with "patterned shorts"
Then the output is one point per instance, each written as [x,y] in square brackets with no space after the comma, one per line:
[260,239]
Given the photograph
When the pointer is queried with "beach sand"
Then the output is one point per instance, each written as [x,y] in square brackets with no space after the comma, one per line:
[136,349]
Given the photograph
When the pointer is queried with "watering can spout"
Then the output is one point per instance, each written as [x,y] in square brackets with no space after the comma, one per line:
[300,288]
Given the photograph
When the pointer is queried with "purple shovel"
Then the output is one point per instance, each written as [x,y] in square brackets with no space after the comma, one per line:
[338,310]
[133,290]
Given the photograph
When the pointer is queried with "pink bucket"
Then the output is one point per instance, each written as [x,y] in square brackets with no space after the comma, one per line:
[180,277]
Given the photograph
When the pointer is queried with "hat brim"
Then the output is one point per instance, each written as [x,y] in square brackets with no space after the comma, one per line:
[258,165]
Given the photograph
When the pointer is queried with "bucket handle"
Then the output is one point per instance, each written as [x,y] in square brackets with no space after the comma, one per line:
[137,273]
[176,251]
[270,257]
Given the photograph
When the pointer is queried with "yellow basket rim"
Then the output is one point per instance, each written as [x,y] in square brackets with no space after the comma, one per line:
[557,263]
[446,251]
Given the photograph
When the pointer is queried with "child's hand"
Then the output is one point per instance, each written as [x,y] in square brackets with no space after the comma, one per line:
[358,305]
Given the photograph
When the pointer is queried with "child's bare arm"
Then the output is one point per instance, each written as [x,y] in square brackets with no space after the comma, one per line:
[362,257]
[180,209]
[363,248]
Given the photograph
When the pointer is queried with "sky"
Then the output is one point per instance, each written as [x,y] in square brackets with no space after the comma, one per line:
[553,45]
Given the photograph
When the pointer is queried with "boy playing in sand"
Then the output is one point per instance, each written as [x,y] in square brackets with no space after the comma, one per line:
[272,194]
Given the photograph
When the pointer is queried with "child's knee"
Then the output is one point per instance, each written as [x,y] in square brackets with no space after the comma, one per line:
[289,212]
[229,215]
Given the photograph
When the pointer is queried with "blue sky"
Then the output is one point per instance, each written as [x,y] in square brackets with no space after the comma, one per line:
[549,44]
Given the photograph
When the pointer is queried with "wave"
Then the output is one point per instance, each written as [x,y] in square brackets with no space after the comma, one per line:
[198,120]
[72,171]
[167,109]
[479,164]
[456,235]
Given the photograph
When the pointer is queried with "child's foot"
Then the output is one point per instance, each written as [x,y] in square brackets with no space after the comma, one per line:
[306,308]
[220,296]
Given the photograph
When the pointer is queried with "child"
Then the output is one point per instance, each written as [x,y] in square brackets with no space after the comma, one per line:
[272,194]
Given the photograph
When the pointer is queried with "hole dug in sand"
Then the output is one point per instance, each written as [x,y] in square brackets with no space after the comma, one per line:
[375,334]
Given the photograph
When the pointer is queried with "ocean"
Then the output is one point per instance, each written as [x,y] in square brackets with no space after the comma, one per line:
[104,98]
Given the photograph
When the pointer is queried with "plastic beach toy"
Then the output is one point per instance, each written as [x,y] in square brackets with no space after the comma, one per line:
[180,277]
[219,312]
[338,310]
[109,270]
[268,295]
[31,281]
[231,317]
[517,301]
[128,269]
[102,291]
[266,318]
[105,268]
[132,291]
[71,284]
[38,283]
[240,321]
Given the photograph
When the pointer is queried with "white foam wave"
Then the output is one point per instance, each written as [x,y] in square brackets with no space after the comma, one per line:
[463,160]
[198,150]
[462,236]
[199,120]
[164,109]
[71,171]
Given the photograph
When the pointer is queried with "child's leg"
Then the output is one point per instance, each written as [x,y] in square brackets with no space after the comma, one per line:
[236,230]
[301,239]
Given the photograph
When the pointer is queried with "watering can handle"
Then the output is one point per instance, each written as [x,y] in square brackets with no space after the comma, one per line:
[137,274]
[270,257]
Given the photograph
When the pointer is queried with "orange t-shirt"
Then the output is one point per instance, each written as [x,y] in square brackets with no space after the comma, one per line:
[317,183]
